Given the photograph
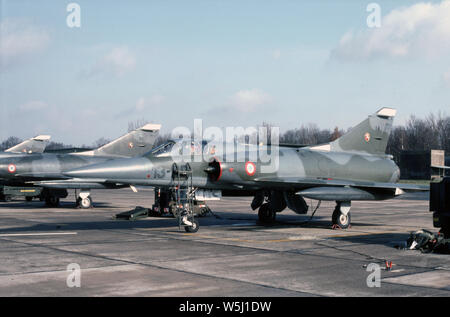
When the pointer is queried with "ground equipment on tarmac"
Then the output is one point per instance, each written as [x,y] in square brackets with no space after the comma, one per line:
[427,242]
[440,205]
[9,192]
[165,204]
[134,214]
[184,197]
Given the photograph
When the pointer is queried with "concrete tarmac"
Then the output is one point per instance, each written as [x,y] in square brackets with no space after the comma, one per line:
[231,254]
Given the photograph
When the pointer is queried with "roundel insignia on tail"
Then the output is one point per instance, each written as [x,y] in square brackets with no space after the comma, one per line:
[367,137]
[250,168]
[11,168]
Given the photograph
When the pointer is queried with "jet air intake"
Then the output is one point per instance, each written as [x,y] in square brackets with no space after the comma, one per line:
[225,171]
[214,170]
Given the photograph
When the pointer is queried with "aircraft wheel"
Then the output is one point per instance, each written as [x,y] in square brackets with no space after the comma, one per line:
[52,201]
[85,203]
[193,228]
[202,212]
[156,211]
[265,214]
[445,228]
[338,218]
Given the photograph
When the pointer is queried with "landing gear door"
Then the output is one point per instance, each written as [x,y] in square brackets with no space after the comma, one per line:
[206,194]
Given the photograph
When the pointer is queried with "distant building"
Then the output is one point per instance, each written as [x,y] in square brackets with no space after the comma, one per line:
[417,164]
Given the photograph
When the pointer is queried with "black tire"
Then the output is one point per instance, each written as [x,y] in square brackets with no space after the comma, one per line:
[52,201]
[446,232]
[8,198]
[265,214]
[445,227]
[203,211]
[338,218]
[156,212]
[29,198]
[193,228]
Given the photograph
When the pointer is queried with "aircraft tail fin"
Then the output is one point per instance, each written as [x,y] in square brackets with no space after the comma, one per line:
[370,136]
[33,145]
[134,143]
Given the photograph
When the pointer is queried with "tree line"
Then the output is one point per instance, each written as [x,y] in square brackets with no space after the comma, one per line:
[431,132]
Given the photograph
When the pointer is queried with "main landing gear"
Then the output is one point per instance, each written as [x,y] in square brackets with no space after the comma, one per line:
[266,214]
[84,200]
[270,203]
[341,217]
[52,201]
[52,196]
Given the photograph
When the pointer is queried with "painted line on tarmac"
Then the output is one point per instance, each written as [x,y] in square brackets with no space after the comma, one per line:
[290,239]
[37,234]
[245,224]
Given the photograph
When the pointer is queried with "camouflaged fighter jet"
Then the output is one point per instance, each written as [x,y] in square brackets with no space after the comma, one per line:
[353,167]
[46,169]
[33,145]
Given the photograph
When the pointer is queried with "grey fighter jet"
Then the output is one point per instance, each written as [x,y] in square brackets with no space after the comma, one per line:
[33,145]
[46,169]
[353,167]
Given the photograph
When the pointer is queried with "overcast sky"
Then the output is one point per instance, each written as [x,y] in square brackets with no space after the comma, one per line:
[230,63]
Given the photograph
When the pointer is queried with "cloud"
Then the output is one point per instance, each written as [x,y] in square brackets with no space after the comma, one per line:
[421,30]
[145,103]
[142,105]
[446,78]
[117,62]
[34,105]
[20,40]
[276,54]
[40,117]
[250,100]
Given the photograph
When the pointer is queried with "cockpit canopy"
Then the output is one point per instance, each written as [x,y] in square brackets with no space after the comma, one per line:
[183,147]
[163,149]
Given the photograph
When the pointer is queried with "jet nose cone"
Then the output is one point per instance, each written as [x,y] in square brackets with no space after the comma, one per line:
[117,169]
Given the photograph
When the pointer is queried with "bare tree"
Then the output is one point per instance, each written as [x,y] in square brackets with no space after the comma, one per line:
[57,146]
[433,132]
[306,135]
[10,142]
[336,134]
[162,138]
[100,142]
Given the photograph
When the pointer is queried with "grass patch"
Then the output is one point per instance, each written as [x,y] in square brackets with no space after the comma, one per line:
[415,181]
